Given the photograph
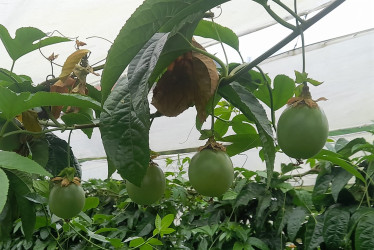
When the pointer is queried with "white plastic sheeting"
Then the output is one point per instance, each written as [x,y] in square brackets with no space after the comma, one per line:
[87,18]
[345,64]
[348,88]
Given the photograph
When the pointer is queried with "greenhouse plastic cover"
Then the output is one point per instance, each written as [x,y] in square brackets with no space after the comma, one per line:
[340,53]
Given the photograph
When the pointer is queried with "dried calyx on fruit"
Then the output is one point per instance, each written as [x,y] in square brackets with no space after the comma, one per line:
[302,128]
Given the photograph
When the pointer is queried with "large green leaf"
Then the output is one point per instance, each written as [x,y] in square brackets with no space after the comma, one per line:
[11,160]
[241,143]
[58,156]
[27,101]
[337,159]
[283,90]
[251,191]
[39,151]
[347,148]
[208,29]
[27,39]
[246,102]
[264,202]
[151,17]
[340,179]
[335,227]
[8,214]
[26,207]
[313,232]
[364,235]
[125,130]
[295,221]
[268,151]
[4,185]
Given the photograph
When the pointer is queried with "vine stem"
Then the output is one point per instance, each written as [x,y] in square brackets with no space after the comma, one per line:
[12,67]
[220,41]
[85,238]
[277,18]
[294,14]
[68,147]
[145,242]
[304,26]
[50,116]
[301,36]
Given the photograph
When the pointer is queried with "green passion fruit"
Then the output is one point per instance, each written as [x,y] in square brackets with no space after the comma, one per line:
[302,131]
[151,189]
[211,172]
[66,201]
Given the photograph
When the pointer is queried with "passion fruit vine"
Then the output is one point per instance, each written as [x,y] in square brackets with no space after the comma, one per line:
[151,189]
[302,128]
[211,172]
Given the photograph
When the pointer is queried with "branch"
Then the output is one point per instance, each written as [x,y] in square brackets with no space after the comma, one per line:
[61,128]
[278,18]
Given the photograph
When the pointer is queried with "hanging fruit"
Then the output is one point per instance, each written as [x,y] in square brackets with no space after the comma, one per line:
[152,187]
[302,128]
[67,197]
[211,172]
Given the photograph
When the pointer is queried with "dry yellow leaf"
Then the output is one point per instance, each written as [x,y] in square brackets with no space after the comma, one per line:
[30,121]
[71,61]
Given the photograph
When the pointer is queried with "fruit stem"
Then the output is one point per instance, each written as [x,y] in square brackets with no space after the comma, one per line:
[12,67]
[305,93]
[68,147]
[220,41]
[301,36]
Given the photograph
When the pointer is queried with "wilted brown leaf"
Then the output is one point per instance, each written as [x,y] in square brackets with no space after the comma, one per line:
[30,121]
[174,92]
[190,80]
[52,57]
[79,43]
[61,87]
